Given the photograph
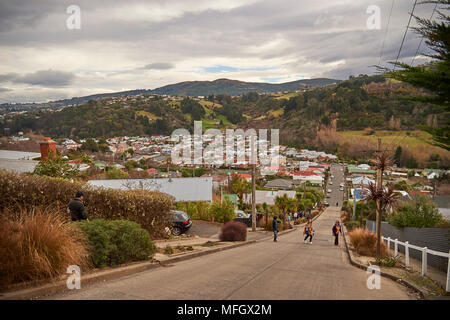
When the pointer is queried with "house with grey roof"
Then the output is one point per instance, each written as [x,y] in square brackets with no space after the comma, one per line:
[279,184]
[182,189]
[18,161]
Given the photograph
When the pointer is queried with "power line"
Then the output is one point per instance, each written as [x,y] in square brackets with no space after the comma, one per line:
[387,30]
[406,32]
[421,40]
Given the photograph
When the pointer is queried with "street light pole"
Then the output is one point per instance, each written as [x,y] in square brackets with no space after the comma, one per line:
[378,205]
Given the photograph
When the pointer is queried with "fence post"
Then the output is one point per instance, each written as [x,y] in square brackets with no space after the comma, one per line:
[424,261]
[396,247]
[447,287]
[389,243]
[407,253]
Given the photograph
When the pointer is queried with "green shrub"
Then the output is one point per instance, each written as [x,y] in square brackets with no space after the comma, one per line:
[420,212]
[387,261]
[115,173]
[148,208]
[168,250]
[222,211]
[196,210]
[352,225]
[114,242]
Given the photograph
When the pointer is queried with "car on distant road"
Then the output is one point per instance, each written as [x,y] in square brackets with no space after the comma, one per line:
[326,203]
[181,222]
[329,190]
[331,182]
[241,214]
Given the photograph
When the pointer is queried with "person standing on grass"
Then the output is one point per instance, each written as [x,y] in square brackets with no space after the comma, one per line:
[308,231]
[275,228]
[76,208]
[336,232]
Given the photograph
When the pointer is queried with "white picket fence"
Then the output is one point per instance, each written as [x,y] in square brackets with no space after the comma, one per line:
[425,252]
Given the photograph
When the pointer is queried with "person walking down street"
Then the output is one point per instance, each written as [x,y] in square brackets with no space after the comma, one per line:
[275,228]
[295,216]
[336,232]
[76,208]
[308,231]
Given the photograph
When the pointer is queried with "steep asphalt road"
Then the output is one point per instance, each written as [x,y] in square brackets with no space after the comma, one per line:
[288,269]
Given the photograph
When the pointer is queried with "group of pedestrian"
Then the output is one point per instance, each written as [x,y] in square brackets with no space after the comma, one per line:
[308,231]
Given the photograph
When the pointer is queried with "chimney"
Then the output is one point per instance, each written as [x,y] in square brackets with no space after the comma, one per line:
[46,146]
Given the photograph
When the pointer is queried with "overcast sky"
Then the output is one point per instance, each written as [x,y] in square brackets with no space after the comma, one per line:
[133,44]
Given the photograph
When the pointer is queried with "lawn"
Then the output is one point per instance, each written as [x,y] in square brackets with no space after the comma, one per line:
[147,114]
[411,138]
[287,96]
[210,104]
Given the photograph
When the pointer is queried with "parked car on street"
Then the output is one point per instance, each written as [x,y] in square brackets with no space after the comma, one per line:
[181,222]
[329,190]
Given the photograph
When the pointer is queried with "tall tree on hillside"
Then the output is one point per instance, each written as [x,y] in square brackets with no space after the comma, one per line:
[434,76]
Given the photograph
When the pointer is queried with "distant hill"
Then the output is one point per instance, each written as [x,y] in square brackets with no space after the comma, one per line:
[187,88]
[235,87]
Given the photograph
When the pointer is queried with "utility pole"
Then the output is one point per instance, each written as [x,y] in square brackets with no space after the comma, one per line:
[253,162]
[379,186]
[253,197]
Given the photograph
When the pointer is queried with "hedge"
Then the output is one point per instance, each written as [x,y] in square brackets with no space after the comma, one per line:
[147,208]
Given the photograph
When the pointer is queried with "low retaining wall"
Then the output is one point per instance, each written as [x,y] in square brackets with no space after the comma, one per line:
[437,239]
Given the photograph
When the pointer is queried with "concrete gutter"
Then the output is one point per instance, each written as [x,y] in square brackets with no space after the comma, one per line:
[410,285]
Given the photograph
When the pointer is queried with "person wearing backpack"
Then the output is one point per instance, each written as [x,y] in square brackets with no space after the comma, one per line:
[308,231]
[336,230]
[76,208]
[275,228]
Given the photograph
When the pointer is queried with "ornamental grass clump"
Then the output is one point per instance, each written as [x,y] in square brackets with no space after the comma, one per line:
[38,244]
[365,242]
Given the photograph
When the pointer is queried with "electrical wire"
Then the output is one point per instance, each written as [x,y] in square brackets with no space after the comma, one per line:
[404,36]
[421,40]
[386,33]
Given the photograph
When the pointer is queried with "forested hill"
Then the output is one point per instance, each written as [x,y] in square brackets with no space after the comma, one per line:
[362,103]
[234,87]
[187,88]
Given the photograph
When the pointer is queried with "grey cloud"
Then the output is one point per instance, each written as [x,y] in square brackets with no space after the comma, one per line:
[4,89]
[314,32]
[44,78]
[159,66]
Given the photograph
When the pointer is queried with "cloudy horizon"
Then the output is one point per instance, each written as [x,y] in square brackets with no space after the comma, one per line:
[136,44]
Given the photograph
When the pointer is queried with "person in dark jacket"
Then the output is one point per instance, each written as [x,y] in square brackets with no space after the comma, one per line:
[336,230]
[275,228]
[76,208]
